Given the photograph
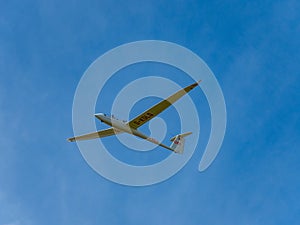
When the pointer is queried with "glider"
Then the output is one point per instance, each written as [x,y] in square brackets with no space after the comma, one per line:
[131,127]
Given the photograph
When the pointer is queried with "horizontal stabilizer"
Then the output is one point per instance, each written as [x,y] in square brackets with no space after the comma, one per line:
[182,135]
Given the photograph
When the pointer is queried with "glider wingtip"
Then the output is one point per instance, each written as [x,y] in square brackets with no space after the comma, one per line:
[71,139]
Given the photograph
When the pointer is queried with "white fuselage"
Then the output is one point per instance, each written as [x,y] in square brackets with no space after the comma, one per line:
[121,126]
[115,123]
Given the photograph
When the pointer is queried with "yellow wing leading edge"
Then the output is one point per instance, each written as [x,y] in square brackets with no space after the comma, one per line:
[160,107]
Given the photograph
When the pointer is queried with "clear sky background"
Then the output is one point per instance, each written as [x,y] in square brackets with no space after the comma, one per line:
[253,48]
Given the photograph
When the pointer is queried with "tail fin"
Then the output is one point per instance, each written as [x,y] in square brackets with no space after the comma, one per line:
[178,142]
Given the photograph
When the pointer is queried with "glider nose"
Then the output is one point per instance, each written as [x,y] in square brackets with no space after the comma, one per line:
[100,116]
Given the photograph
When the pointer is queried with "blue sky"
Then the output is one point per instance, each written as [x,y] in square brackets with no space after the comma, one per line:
[252,48]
